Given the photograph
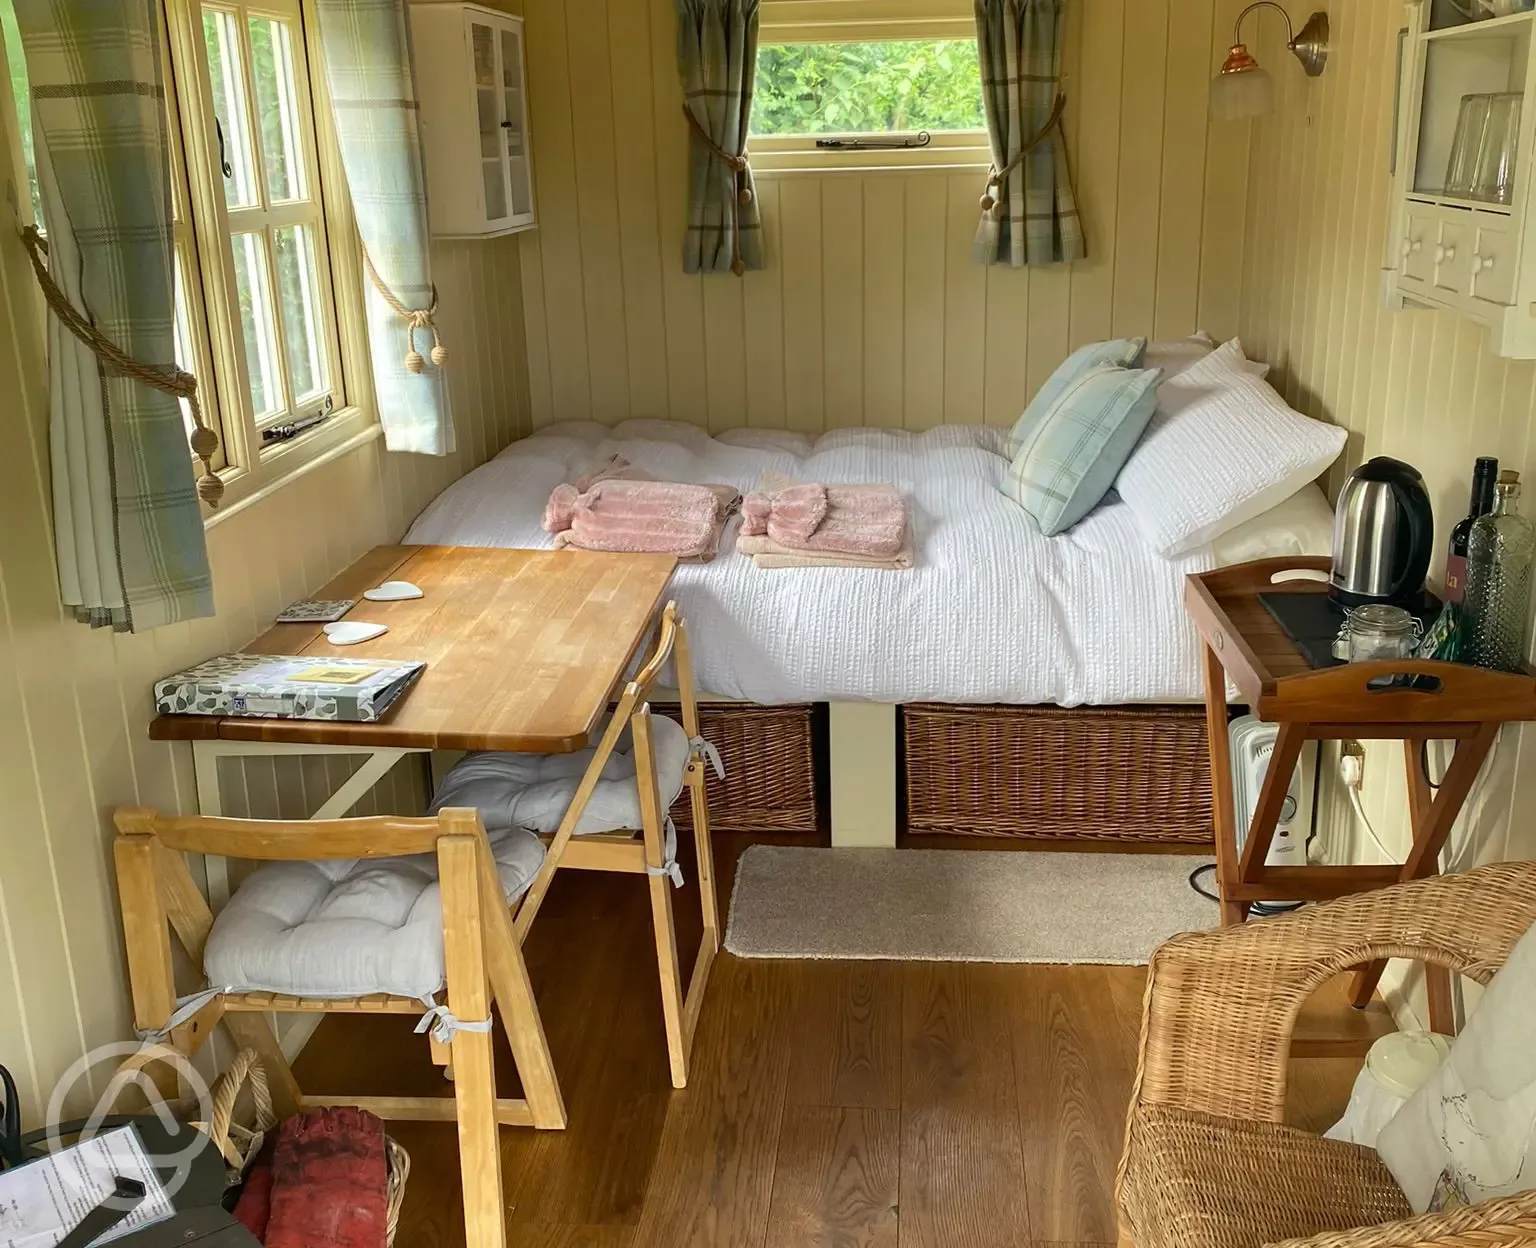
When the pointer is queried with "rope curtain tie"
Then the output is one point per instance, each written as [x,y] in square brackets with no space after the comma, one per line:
[992,198]
[167,378]
[739,165]
[414,318]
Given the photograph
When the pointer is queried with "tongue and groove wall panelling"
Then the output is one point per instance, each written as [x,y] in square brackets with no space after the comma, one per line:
[1422,386]
[871,310]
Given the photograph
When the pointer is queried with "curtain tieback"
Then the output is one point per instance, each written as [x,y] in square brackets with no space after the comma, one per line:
[166,378]
[992,199]
[739,165]
[414,318]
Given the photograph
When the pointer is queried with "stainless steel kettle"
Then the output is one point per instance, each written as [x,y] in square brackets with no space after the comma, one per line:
[1383,532]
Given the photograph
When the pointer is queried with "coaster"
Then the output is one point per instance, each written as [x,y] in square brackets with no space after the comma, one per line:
[315,610]
[350,632]
[392,591]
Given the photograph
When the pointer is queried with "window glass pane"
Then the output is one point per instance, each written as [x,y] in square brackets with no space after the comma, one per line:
[257,324]
[221,34]
[277,105]
[296,287]
[17,63]
[879,86]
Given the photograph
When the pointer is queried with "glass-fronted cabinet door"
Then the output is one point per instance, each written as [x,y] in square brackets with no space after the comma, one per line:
[493,173]
[514,122]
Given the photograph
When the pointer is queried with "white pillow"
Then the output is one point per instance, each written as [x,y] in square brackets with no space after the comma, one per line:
[1222,449]
[1467,1135]
[1175,355]
[1301,525]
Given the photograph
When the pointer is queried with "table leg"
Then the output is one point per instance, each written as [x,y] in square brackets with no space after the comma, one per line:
[210,802]
[1222,813]
[1432,821]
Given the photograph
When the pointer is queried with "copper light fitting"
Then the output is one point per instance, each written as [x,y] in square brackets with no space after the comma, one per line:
[1309,44]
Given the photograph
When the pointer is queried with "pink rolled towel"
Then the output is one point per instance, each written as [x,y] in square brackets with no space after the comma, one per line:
[837,519]
[659,517]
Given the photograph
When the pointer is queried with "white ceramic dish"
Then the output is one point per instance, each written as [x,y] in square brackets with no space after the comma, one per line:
[392,591]
[350,632]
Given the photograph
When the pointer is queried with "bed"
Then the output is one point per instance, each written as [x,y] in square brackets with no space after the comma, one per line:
[993,615]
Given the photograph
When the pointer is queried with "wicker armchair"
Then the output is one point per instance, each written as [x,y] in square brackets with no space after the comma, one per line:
[1207,1162]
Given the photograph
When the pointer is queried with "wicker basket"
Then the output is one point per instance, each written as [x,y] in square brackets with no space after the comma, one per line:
[1120,774]
[770,770]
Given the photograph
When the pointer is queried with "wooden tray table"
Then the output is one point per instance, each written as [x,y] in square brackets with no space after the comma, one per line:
[1244,643]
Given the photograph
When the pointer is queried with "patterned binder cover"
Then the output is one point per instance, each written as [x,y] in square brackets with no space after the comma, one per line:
[277,686]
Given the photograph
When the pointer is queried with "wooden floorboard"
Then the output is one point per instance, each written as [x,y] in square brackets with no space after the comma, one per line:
[836,1179]
[887,1105]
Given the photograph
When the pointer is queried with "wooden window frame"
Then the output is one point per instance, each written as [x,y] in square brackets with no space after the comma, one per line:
[250,470]
[849,21]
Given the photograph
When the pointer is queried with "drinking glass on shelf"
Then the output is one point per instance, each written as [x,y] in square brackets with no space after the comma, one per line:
[1471,123]
[1494,177]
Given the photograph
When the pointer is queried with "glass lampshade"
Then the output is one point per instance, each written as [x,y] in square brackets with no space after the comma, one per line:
[1246,93]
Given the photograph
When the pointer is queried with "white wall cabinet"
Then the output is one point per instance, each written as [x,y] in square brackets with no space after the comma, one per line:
[472,83]
[1469,250]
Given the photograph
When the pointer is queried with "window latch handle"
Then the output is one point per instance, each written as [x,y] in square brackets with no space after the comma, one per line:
[921,139]
[224,165]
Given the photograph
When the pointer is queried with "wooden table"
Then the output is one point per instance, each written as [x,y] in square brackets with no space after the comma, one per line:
[1245,644]
[524,649]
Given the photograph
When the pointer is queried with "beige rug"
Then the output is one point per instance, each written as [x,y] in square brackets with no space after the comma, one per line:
[940,905]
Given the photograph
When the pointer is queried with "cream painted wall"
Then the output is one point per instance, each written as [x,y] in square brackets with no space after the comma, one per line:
[871,310]
[74,703]
[1419,385]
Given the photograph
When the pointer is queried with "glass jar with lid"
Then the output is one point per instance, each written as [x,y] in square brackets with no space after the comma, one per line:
[1377,631]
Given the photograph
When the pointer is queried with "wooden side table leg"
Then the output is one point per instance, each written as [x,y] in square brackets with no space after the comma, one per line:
[1222,806]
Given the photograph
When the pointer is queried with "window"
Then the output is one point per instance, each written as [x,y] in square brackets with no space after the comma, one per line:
[878,86]
[255,280]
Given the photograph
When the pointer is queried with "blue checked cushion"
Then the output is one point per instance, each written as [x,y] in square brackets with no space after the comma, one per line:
[1077,448]
[1122,352]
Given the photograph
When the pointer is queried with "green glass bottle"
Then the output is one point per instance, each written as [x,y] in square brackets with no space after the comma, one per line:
[1500,550]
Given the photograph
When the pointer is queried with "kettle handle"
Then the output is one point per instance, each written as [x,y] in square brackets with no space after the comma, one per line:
[1421,536]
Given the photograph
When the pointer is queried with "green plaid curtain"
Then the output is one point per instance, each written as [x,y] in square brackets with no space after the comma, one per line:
[1032,217]
[366,47]
[128,530]
[717,61]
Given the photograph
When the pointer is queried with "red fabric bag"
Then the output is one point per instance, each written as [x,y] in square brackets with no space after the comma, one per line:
[255,1204]
[330,1181]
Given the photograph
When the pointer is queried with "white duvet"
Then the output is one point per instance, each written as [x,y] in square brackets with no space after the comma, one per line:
[993,611]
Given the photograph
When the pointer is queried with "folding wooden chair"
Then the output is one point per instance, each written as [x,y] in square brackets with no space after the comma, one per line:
[482,959]
[649,850]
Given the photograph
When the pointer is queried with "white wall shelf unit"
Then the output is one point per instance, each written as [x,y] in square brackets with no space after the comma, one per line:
[1465,251]
[471,78]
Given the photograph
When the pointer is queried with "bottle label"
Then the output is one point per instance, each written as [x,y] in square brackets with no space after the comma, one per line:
[1455,578]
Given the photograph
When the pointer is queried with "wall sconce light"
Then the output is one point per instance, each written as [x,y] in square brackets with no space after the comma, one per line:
[1242,89]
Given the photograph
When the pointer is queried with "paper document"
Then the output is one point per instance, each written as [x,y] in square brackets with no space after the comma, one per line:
[44,1200]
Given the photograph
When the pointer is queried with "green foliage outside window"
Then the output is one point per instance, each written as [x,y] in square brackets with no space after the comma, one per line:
[880,86]
[23,97]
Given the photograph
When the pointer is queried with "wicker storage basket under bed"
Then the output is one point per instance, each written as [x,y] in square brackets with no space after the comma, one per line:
[770,770]
[1113,774]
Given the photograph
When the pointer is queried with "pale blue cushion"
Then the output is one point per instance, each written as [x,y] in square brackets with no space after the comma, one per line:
[1122,352]
[1077,448]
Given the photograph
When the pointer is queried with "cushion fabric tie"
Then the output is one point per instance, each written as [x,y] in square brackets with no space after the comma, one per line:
[186,1008]
[669,864]
[706,749]
[443,1023]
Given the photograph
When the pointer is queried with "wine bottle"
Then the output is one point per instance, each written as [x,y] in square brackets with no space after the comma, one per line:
[1484,475]
[1500,553]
